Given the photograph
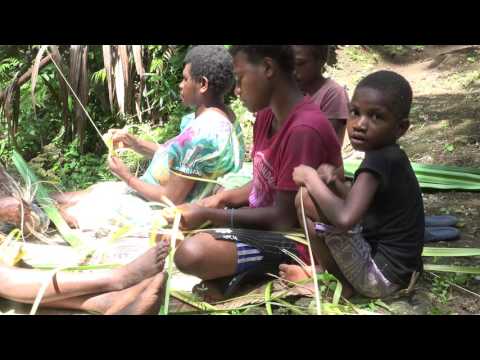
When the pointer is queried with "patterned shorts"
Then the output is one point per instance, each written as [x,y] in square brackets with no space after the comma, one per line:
[353,255]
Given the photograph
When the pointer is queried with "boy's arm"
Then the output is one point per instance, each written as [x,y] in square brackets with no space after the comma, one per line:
[335,179]
[342,188]
[342,213]
[282,216]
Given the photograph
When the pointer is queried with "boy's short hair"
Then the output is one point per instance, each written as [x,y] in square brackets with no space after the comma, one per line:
[213,62]
[396,88]
[282,54]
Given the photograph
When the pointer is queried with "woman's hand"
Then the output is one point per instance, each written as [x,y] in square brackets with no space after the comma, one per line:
[302,173]
[122,139]
[214,202]
[118,168]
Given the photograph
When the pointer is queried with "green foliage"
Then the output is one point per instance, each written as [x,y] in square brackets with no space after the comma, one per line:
[246,120]
[56,158]
[449,147]
[359,54]
[394,51]
[442,284]
[440,288]
[164,77]
[7,67]
[67,169]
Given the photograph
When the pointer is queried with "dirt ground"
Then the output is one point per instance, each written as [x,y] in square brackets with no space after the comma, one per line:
[445,130]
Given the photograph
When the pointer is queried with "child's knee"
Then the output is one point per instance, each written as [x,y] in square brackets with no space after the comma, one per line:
[311,211]
[189,256]
[303,192]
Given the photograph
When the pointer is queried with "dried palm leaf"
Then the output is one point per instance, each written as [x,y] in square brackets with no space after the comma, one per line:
[75,65]
[119,83]
[79,102]
[35,69]
[137,57]
[108,63]
[124,60]
[55,53]
[83,87]
[11,109]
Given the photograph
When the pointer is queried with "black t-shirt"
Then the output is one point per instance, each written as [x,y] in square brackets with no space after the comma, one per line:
[394,225]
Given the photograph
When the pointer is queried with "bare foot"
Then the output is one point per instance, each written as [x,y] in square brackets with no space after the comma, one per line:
[144,267]
[148,302]
[295,273]
[70,220]
[100,304]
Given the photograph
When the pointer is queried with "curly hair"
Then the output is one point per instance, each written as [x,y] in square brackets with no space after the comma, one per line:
[282,54]
[395,87]
[319,52]
[213,62]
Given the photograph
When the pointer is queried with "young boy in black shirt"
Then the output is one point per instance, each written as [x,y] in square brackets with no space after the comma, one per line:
[375,239]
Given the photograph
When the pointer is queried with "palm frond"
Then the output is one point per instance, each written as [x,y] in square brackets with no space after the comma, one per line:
[475,270]
[35,70]
[450,252]
[45,201]
[55,53]
[108,64]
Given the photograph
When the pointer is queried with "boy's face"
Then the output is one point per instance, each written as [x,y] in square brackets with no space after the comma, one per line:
[371,124]
[252,83]
[189,88]
[307,67]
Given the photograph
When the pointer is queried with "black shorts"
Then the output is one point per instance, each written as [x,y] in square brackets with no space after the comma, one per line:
[256,246]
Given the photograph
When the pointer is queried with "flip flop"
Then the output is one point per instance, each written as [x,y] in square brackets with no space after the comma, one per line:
[6,228]
[440,220]
[233,284]
[443,233]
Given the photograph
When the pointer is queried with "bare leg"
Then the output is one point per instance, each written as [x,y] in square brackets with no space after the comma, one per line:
[69,198]
[22,285]
[322,256]
[101,303]
[204,256]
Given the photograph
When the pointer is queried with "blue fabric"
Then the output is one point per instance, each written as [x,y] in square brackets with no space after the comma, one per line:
[247,257]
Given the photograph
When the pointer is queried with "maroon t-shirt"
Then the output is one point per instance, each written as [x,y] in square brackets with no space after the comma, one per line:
[306,137]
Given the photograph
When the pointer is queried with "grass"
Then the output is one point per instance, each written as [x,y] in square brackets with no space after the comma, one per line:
[357,54]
